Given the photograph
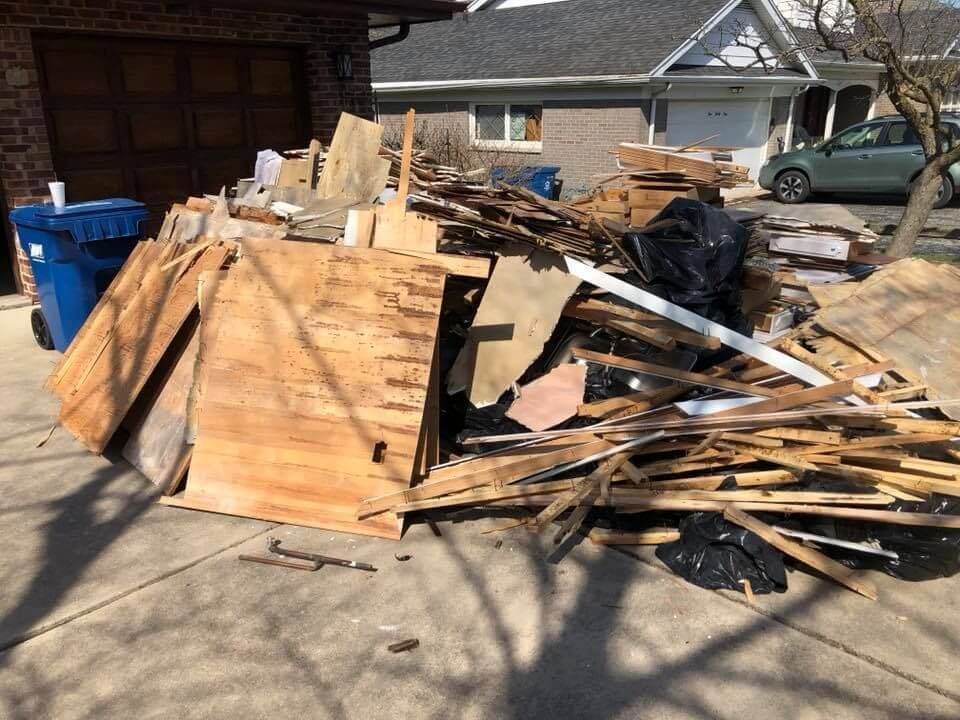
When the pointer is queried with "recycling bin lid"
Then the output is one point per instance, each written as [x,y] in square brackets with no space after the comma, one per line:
[86,221]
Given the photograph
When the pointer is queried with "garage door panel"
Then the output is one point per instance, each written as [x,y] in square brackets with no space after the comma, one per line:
[157,129]
[214,75]
[154,74]
[159,120]
[275,127]
[735,123]
[94,184]
[75,73]
[219,128]
[215,174]
[271,76]
[158,184]
[85,131]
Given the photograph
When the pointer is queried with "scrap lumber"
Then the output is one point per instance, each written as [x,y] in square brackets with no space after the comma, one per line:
[818,561]
[157,445]
[919,332]
[519,310]
[123,363]
[335,384]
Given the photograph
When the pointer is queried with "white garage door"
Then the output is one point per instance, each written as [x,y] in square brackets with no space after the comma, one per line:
[737,123]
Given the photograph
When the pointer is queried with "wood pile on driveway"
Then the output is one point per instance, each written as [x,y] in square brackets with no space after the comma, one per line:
[449,347]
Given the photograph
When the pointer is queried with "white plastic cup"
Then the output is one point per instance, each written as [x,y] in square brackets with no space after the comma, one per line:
[58,192]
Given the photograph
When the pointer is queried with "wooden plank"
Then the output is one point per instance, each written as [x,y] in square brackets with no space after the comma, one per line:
[818,561]
[671,373]
[127,358]
[878,441]
[803,435]
[102,321]
[333,348]
[790,400]
[599,536]
[157,446]
[353,168]
[459,265]
[403,183]
[714,482]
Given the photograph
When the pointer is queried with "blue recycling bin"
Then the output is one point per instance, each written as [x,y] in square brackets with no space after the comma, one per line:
[541,179]
[74,252]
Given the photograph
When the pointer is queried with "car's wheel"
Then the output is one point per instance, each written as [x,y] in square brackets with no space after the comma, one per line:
[944,196]
[792,187]
[41,332]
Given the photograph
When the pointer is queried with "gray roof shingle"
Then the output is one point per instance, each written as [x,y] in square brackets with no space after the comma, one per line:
[569,39]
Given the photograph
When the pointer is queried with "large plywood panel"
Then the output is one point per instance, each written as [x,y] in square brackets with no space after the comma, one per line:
[315,364]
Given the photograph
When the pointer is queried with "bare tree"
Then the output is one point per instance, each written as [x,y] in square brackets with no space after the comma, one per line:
[916,42]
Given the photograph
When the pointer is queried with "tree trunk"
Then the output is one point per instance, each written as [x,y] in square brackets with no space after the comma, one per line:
[918,209]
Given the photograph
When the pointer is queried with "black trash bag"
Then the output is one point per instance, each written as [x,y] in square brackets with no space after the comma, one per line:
[925,553]
[714,554]
[695,263]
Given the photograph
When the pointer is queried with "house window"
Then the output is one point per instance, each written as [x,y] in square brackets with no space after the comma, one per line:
[506,126]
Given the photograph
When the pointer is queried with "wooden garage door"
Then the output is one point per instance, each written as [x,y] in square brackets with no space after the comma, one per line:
[160,120]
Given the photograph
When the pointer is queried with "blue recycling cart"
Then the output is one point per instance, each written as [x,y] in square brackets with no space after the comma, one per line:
[74,251]
[541,179]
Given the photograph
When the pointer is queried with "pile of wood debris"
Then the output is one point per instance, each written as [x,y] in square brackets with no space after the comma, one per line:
[461,347]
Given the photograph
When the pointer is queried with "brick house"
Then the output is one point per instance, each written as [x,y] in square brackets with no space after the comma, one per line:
[561,82]
[157,100]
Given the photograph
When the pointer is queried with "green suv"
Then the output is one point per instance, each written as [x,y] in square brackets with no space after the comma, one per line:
[881,156]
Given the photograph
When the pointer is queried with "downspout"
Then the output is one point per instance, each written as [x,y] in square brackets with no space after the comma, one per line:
[654,94]
[402,33]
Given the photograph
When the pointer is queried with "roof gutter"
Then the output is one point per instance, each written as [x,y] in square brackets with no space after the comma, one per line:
[402,33]
[585,81]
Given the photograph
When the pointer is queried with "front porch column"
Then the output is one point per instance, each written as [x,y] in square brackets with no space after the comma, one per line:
[831,114]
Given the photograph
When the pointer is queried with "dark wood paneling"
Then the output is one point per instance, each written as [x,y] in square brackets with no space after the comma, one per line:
[159,120]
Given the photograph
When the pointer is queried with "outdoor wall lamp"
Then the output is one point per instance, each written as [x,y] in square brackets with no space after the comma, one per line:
[343,59]
[736,89]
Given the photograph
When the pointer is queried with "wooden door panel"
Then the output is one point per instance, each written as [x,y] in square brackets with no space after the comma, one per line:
[75,73]
[159,184]
[219,128]
[149,74]
[214,75]
[275,128]
[271,76]
[216,174]
[85,131]
[93,184]
[157,129]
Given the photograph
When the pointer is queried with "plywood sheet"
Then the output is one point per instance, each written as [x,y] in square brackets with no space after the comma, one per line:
[313,383]
[910,313]
[551,399]
[140,337]
[519,311]
[353,167]
[157,446]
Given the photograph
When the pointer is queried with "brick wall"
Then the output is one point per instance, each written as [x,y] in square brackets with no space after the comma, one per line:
[25,161]
[577,135]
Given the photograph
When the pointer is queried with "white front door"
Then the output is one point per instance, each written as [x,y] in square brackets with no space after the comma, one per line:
[739,124]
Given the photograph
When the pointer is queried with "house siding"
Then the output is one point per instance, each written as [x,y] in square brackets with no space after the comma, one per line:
[779,113]
[577,134]
[26,164]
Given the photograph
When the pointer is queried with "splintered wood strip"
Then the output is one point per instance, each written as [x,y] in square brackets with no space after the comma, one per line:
[818,561]
[749,439]
[777,457]
[143,332]
[794,349]
[879,441]
[403,183]
[599,536]
[671,373]
[913,483]
[760,478]
[333,348]
[484,495]
[920,425]
[803,435]
[631,404]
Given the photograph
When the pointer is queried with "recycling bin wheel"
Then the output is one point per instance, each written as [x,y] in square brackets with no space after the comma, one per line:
[41,333]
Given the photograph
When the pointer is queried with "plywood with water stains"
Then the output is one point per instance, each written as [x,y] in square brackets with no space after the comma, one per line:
[314,384]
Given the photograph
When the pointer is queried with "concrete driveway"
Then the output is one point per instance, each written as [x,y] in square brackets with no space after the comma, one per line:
[114,607]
